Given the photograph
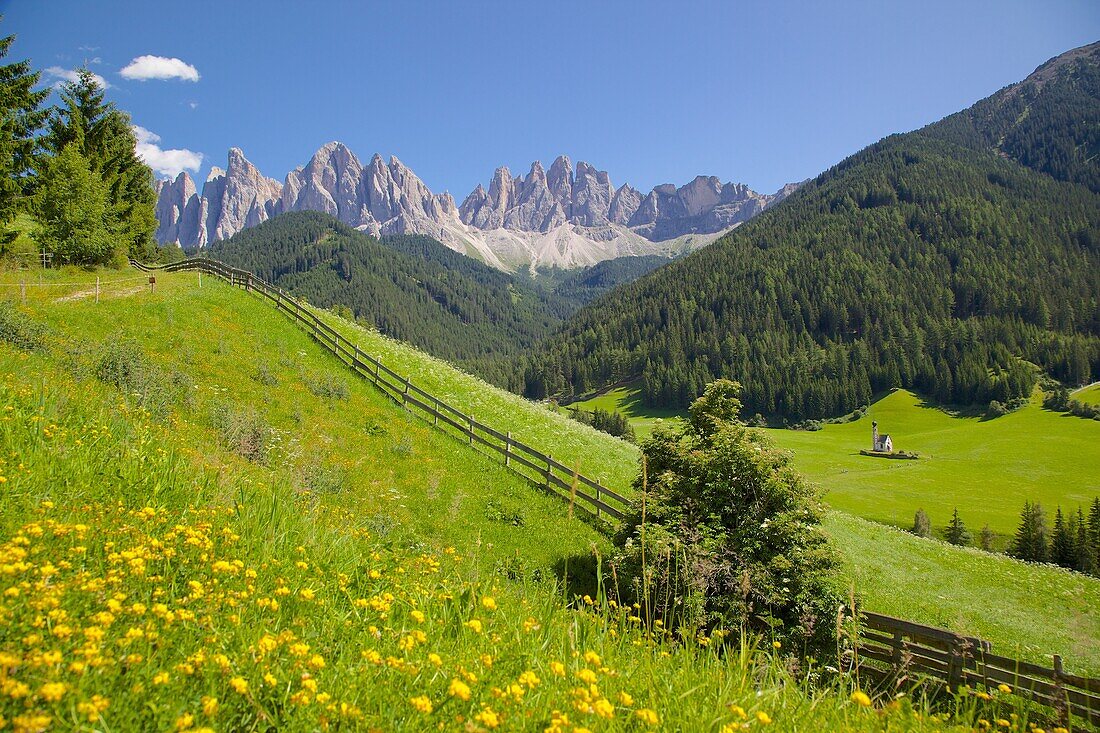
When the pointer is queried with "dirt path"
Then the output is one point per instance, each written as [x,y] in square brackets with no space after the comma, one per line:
[80,295]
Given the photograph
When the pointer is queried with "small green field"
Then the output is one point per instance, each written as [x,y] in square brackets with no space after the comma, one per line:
[628,401]
[1090,395]
[986,468]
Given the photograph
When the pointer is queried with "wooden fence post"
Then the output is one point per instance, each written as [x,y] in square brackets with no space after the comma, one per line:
[1061,704]
[405,394]
[548,469]
[97,288]
[896,646]
[508,451]
[954,667]
[470,419]
[357,357]
[598,499]
[435,415]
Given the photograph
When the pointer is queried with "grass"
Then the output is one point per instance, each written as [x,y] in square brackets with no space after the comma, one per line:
[1089,395]
[627,400]
[154,578]
[986,468]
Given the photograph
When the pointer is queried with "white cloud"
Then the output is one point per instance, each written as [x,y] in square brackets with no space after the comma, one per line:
[193,105]
[164,162]
[63,75]
[144,68]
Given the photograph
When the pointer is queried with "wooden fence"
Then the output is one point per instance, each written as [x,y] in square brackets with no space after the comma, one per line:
[901,651]
[886,648]
[540,468]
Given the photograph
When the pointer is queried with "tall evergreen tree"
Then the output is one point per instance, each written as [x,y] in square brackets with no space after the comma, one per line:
[1085,560]
[1030,542]
[104,137]
[956,532]
[21,119]
[1062,551]
[72,209]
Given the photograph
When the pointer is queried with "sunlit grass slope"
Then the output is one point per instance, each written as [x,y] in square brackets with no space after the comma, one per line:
[1031,629]
[153,579]
[986,468]
[1090,395]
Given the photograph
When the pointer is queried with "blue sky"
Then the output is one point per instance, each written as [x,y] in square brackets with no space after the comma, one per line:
[653,92]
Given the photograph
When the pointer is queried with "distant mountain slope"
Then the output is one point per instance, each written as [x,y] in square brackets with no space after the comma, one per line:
[581,287]
[411,288]
[1049,122]
[922,261]
[560,217]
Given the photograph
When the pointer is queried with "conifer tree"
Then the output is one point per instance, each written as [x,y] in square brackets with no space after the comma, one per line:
[1084,546]
[21,119]
[1030,542]
[103,136]
[1094,531]
[73,204]
[956,532]
[1062,542]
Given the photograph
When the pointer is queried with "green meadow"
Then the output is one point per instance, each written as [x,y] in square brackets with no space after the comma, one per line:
[223,356]
[987,468]
[1090,395]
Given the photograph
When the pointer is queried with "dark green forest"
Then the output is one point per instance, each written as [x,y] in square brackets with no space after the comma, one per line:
[409,287]
[927,260]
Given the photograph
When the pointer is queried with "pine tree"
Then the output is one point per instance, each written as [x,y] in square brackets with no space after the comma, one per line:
[922,525]
[104,137]
[72,209]
[1062,542]
[1030,542]
[986,539]
[1094,531]
[1084,546]
[956,532]
[20,121]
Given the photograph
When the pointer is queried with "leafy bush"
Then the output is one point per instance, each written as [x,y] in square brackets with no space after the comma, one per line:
[326,385]
[922,525]
[243,430]
[19,330]
[725,534]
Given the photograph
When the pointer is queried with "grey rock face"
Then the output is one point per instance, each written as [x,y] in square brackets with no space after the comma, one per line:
[387,197]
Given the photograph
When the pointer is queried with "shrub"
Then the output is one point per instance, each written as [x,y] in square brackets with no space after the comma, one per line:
[922,525]
[326,385]
[243,431]
[263,375]
[19,330]
[996,409]
[725,534]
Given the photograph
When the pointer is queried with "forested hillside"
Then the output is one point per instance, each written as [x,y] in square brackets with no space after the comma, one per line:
[926,261]
[410,288]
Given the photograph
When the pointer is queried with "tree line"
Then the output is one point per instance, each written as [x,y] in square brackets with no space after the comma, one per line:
[73,168]
[1073,541]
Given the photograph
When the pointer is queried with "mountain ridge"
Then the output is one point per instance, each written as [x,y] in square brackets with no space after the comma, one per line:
[561,217]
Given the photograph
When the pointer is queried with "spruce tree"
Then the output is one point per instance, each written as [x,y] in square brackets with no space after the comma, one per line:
[1094,531]
[72,209]
[21,118]
[103,136]
[956,532]
[1062,542]
[1085,560]
[922,525]
[1030,542]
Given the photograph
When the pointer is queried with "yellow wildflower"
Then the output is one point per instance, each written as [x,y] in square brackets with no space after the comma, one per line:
[604,708]
[474,625]
[860,698]
[489,603]
[52,691]
[557,668]
[418,616]
[209,706]
[1004,688]
[185,721]
[763,717]
[647,716]
[626,699]
[239,685]
[435,659]
[488,718]
[529,678]
[422,703]
[459,689]
[593,658]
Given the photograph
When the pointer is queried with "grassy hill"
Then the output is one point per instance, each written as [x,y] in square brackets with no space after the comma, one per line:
[1090,395]
[238,534]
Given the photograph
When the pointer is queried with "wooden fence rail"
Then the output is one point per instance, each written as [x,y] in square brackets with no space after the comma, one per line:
[564,481]
[886,648]
[895,649]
